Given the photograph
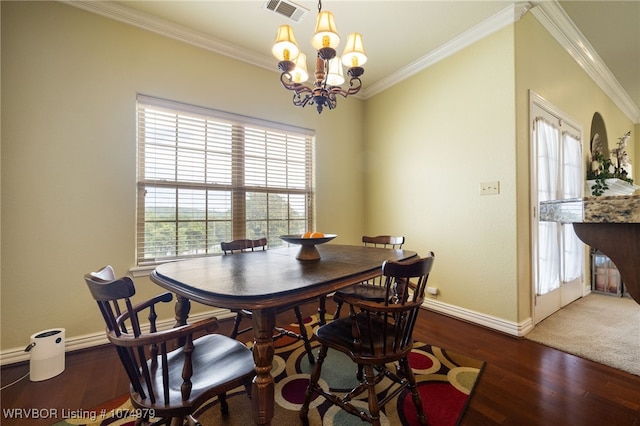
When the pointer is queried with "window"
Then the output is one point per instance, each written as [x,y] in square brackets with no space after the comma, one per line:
[206,176]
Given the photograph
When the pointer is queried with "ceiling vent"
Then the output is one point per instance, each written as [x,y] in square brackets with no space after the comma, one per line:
[289,9]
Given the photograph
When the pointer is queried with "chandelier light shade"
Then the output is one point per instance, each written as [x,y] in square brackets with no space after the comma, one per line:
[300,73]
[326,34]
[329,75]
[353,55]
[285,47]
[335,77]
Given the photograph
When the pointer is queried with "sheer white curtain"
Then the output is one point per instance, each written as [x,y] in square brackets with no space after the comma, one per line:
[573,252]
[548,149]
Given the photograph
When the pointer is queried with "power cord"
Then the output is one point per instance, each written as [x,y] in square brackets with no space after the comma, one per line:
[11,384]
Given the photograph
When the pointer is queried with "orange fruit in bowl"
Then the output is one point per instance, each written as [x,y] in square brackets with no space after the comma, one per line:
[310,234]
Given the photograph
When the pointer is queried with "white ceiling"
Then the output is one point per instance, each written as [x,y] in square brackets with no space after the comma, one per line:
[399,36]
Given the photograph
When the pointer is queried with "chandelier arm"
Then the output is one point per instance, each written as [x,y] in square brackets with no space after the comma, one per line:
[354,89]
[287,83]
[300,101]
[301,88]
[337,90]
[332,102]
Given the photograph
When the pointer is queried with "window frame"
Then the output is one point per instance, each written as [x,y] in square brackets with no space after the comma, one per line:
[275,149]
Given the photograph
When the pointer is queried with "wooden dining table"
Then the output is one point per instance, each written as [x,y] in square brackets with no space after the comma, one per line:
[263,281]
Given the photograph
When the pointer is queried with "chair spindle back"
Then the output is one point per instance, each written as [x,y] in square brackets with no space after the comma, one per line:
[395,317]
[243,245]
[113,297]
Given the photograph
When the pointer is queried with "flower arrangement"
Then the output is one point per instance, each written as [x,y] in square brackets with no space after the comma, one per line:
[606,168]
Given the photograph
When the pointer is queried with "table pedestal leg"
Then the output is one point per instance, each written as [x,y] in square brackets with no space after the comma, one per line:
[621,243]
[262,389]
[182,308]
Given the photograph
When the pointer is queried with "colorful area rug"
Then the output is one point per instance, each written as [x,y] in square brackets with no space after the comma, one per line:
[446,381]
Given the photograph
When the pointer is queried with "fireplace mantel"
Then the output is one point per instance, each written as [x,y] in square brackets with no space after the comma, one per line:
[609,224]
[615,209]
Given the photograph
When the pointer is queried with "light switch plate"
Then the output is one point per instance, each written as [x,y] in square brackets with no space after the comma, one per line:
[489,188]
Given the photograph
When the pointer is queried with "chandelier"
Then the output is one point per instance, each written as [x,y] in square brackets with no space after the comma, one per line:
[328,74]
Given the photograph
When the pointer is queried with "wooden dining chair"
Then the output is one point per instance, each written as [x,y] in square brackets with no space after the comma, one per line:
[244,245]
[377,335]
[370,289]
[168,380]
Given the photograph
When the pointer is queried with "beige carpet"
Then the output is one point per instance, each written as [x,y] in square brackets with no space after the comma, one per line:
[601,328]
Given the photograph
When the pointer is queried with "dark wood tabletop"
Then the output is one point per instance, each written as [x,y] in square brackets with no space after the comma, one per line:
[272,278]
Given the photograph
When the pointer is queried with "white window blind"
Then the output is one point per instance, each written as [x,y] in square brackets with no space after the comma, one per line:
[206,176]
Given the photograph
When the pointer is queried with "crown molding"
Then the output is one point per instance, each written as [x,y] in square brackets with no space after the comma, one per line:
[147,22]
[556,21]
[506,16]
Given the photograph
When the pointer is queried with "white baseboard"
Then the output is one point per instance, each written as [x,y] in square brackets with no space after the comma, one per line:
[15,355]
[12,356]
[494,323]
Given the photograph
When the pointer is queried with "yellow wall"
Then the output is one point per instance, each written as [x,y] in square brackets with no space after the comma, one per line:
[636,153]
[431,141]
[69,84]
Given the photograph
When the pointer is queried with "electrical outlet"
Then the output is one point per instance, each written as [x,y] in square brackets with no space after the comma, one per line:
[432,290]
[489,188]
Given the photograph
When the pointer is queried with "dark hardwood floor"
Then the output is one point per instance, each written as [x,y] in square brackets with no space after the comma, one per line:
[524,383]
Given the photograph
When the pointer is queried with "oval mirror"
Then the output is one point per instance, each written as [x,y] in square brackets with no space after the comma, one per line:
[598,140]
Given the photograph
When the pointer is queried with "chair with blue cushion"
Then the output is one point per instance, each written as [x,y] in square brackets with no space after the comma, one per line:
[172,372]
